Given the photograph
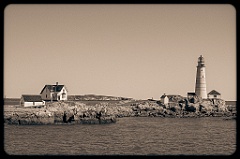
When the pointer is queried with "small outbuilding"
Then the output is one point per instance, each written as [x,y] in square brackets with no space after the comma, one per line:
[164,99]
[191,95]
[31,101]
[214,94]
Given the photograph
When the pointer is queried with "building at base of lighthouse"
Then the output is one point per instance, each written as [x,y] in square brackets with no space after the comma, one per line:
[200,86]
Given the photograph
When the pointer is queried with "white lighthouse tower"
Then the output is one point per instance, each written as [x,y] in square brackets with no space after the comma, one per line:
[200,87]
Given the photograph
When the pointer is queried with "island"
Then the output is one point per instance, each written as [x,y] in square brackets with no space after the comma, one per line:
[95,110]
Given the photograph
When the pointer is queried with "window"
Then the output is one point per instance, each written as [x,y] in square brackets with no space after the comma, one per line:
[214,95]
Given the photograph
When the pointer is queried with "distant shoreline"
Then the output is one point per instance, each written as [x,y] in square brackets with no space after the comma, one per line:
[16,101]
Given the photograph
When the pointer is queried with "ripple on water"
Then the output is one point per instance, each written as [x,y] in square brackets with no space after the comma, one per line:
[129,136]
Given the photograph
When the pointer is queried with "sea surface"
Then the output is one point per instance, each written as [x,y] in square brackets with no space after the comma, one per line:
[129,136]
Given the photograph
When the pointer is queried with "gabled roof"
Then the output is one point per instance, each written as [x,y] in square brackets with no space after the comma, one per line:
[163,96]
[213,92]
[32,98]
[54,88]
[191,93]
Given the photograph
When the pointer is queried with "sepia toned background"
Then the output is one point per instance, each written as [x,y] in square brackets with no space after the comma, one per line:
[138,51]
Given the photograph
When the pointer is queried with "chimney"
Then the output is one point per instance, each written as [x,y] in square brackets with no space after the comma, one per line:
[56,83]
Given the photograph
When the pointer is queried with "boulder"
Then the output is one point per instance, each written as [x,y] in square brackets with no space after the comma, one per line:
[222,107]
[29,119]
[191,107]
[206,103]
[68,117]
[205,108]
[143,113]
[175,108]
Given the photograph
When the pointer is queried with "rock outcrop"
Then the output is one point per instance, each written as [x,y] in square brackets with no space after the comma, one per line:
[30,118]
[59,113]
[102,113]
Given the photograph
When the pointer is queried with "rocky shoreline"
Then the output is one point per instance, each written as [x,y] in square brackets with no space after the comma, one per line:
[105,113]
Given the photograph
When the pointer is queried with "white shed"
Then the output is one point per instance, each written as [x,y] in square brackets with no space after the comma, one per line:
[31,100]
[214,94]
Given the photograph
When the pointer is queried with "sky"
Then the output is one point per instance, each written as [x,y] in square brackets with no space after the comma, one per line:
[139,51]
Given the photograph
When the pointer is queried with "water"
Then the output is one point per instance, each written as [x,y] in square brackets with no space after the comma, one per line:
[129,136]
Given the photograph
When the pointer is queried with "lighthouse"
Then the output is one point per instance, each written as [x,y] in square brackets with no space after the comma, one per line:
[200,87]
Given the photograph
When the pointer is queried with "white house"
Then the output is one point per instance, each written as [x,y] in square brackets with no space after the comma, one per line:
[54,92]
[164,99]
[214,94]
[31,100]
